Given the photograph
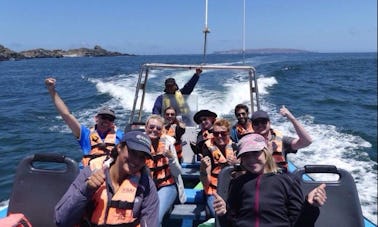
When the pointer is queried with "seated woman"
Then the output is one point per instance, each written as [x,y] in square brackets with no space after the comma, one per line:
[218,152]
[164,165]
[263,196]
[116,192]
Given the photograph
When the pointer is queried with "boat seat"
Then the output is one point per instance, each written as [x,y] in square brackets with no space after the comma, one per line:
[39,183]
[342,207]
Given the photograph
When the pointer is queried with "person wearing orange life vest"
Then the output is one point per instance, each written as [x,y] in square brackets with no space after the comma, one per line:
[218,152]
[205,119]
[279,144]
[96,141]
[113,191]
[164,166]
[175,128]
[244,124]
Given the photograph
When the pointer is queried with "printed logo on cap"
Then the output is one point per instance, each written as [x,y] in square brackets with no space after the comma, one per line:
[143,139]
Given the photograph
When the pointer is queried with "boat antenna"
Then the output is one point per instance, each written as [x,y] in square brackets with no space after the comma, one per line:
[205,31]
[243,50]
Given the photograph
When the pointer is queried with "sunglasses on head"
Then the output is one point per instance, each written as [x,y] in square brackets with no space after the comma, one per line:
[260,121]
[106,117]
[152,127]
[221,133]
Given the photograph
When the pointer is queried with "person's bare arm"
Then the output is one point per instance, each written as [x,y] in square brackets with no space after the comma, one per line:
[304,139]
[61,107]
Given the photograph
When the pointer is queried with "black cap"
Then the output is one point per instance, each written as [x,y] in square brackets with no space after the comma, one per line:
[260,114]
[203,113]
[138,141]
[106,111]
[170,81]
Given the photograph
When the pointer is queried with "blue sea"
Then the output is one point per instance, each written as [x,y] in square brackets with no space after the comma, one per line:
[333,95]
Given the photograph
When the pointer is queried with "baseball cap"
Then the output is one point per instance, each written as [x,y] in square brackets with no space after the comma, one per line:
[106,111]
[138,141]
[251,142]
[260,114]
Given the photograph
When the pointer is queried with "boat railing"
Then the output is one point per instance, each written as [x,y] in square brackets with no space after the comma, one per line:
[137,114]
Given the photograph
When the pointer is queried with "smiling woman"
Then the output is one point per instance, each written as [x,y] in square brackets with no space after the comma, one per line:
[124,187]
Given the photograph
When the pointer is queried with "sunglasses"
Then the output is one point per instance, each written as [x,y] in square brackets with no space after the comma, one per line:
[152,127]
[170,114]
[260,121]
[107,117]
[241,114]
[221,133]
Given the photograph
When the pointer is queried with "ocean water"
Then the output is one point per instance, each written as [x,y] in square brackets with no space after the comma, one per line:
[333,95]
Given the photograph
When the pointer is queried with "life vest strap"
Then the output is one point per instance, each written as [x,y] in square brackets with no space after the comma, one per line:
[135,223]
[121,204]
[163,179]
[158,168]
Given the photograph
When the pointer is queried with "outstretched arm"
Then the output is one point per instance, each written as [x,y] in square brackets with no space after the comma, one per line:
[63,110]
[304,138]
[189,86]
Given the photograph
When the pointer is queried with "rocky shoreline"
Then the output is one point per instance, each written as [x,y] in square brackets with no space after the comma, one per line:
[7,54]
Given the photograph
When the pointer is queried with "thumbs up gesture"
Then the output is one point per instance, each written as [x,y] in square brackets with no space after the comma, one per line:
[318,196]
[96,179]
[219,205]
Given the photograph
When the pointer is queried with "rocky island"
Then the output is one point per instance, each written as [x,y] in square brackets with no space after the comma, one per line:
[97,51]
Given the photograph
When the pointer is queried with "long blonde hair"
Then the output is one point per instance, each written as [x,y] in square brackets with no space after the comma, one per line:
[270,165]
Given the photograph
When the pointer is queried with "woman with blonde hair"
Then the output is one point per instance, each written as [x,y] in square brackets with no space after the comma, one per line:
[264,196]
[164,165]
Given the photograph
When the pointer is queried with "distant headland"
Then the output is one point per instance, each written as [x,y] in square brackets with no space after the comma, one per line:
[7,54]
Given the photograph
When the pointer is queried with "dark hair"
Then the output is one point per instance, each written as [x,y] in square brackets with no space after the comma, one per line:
[241,106]
[170,108]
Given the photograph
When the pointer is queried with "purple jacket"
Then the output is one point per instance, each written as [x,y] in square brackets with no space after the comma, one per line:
[74,204]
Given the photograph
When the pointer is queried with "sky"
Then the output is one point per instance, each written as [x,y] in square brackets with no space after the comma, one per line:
[176,26]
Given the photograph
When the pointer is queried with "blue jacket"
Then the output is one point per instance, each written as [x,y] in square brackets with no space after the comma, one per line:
[186,90]
[85,142]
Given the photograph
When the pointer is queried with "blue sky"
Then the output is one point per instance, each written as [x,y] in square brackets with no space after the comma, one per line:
[175,26]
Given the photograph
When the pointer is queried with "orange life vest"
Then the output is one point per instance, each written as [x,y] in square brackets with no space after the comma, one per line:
[219,160]
[119,210]
[178,144]
[100,147]
[275,143]
[159,165]
[240,130]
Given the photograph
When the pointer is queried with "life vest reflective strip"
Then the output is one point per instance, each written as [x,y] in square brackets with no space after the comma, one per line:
[219,161]
[100,147]
[240,130]
[277,147]
[178,144]
[159,165]
[119,210]
[177,101]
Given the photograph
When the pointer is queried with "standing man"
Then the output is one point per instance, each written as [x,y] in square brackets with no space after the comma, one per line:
[174,96]
[244,124]
[280,145]
[96,141]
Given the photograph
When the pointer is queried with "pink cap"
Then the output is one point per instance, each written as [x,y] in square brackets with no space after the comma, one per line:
[251,142]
